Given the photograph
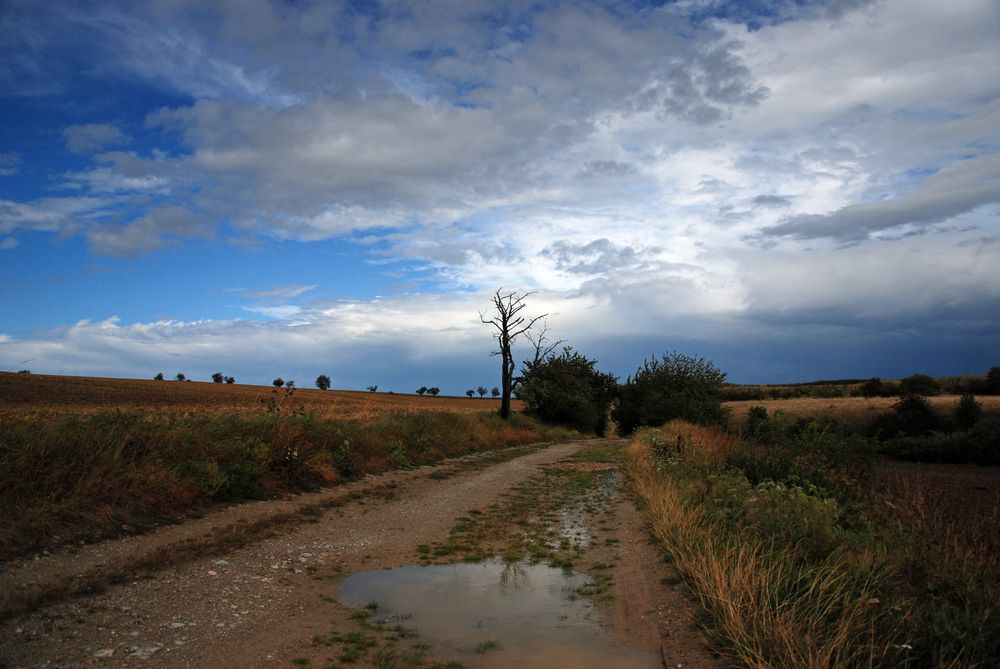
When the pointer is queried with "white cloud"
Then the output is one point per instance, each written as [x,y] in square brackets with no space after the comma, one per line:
[90,137]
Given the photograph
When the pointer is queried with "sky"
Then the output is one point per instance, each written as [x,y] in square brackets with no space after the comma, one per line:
[793,189]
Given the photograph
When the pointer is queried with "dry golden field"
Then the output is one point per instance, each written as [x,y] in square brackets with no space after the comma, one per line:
[847,410]
[42,393]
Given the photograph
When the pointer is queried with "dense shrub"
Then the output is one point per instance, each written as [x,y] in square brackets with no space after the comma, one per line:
[872,388]
[978,445]
[675,387]
[568,390]
[919,384]
[911,416]
[323,382]
[967,412]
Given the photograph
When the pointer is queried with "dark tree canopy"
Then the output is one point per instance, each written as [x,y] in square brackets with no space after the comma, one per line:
[323,382]
[278,382]
[568,390]
[919,384]
[218,377]
[676,386]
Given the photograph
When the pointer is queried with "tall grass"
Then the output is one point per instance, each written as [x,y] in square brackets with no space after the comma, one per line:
[765,605]
[69,476]
[804,554]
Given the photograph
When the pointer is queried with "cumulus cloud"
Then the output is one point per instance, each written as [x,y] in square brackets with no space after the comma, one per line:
[666,171]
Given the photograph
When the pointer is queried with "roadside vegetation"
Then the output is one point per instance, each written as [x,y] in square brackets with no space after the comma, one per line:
[70,475]
[807,548]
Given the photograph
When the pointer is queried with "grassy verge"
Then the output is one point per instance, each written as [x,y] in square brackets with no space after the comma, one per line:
[798,561]
[74,476]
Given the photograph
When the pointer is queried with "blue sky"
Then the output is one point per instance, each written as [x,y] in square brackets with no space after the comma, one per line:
[796,190]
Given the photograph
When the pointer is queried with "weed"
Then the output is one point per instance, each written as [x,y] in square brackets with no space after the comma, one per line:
[486,646]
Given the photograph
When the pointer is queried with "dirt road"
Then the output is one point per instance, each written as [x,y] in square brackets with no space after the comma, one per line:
[258,584]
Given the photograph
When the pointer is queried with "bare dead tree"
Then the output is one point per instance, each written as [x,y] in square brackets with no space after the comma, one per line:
[540,342]
[509,324]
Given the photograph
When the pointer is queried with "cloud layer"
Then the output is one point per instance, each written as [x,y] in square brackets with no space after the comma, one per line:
[683,173]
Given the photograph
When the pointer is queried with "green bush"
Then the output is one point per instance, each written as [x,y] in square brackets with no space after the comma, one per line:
[919,384]
[911,416]
[568,390]
[967,412]
[978,445]
[675,387]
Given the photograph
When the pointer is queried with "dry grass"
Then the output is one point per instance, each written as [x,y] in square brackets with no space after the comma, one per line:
[766,608]
[80,458]
[851,411]
[39,393]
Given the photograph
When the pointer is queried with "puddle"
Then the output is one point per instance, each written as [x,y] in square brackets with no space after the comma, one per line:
[527,609]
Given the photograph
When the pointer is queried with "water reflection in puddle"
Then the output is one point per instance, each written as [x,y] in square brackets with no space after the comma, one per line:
[527,609]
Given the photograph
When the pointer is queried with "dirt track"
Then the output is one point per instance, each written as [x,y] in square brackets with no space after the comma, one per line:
[262,603]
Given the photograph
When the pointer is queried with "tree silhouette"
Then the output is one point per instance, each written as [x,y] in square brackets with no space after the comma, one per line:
[278,382]
[218,377]
[434,391]
[323,382]
[508,324]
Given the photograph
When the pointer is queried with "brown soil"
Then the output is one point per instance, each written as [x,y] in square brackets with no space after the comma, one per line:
[251,585]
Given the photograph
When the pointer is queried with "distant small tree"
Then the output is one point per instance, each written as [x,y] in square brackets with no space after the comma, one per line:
[495,392]
[278,382]
[993,381]
[968,412]
[289,384]
[218,377]
[323,382]
[919,384]
[872,387]
[180,376]
[470,393]
[230,380]
[915,415]
[372,389]
[421,390]
[434,390]
[482,391]
[158,377]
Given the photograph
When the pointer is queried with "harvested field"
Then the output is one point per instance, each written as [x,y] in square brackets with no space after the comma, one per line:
[847,410]
[45,393]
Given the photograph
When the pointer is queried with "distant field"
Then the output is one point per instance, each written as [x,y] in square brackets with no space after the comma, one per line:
[848,410]
[40,392]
